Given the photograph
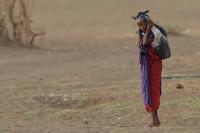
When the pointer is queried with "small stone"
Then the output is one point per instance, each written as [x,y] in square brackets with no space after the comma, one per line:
[85,122]
[179,86]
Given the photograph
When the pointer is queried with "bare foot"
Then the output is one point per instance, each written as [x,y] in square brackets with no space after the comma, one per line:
[154,120]
[157,123]
[151,125]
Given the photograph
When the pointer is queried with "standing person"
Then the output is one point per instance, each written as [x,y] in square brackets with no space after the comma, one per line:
[151,66]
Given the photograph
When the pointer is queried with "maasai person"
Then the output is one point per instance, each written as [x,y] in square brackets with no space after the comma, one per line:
[151,67]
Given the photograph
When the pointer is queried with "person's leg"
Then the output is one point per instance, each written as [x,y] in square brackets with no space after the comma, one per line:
[155,67]
[155,79]
[157,120]
[153,120]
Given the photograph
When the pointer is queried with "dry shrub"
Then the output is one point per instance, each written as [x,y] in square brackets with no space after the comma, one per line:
[15,22]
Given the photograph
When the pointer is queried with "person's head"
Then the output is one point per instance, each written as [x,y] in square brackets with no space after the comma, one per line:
[142,24]
[142,20]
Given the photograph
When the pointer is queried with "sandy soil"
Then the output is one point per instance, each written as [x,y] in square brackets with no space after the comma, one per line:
[83,76]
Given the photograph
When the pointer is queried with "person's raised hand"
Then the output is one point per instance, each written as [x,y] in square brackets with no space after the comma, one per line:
[150,24]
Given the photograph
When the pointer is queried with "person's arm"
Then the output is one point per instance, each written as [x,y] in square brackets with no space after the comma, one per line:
[147,39]
[139,40]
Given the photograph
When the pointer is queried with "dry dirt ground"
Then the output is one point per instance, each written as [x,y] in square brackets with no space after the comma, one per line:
[83,76]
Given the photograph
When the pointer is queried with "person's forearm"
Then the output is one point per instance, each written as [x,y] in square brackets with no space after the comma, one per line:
[146,37]
[138,43]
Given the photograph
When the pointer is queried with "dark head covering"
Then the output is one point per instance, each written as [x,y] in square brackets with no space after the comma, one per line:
[142,15]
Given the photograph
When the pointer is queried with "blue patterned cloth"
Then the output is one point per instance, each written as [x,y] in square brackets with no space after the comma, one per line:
[145,77]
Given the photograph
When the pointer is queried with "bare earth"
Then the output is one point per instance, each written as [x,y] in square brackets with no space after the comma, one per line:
[83,76]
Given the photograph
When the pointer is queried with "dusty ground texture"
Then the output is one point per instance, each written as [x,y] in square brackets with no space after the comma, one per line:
[83,76]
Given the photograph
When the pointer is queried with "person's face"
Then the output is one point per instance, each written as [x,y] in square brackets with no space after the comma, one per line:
[142,25]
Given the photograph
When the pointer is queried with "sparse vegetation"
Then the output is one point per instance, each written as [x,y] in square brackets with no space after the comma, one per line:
[85,78]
